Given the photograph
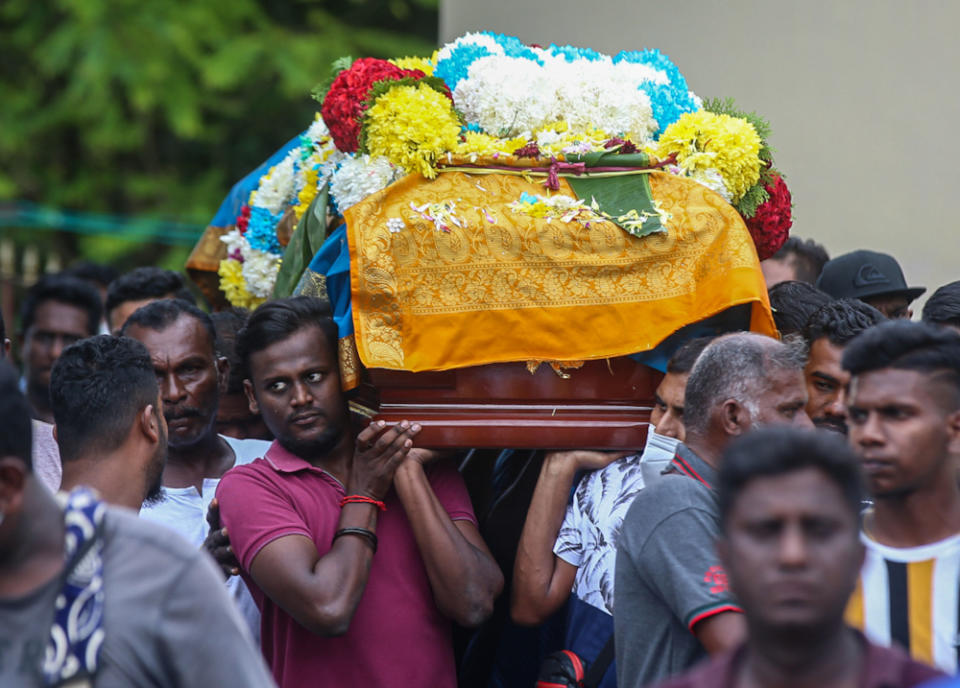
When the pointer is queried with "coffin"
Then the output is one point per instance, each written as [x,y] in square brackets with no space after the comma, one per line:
[605,404]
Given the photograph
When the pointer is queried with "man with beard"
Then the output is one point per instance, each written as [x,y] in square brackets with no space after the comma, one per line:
[359,552]
[108,422]
[568,551]
[673,605]
[904,416]
[182,343]
[828,331]
[91,595]
[789,503]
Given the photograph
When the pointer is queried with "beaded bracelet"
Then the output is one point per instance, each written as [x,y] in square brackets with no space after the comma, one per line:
[362,499]
[367,535]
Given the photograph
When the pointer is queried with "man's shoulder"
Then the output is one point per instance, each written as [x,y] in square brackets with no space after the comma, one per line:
[247,450]
[713,672]
[673,493]
[126,532]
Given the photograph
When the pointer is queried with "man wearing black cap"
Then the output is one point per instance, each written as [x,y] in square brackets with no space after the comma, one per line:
[872,277]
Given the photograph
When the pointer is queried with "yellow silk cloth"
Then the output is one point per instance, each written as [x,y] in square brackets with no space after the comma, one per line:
[521,288]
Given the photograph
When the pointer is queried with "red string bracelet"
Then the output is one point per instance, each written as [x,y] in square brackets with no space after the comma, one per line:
[362,499]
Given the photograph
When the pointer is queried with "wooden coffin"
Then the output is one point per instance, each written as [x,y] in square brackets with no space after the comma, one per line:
[604,404]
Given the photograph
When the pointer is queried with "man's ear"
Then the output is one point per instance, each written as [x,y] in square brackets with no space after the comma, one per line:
[953,433]
[149,423]
[223,374]
[251,397]
[13,479]
[734,418]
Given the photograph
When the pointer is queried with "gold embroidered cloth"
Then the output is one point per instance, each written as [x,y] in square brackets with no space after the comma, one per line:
[521,288]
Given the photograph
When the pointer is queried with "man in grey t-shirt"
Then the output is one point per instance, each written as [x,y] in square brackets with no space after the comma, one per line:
[143,607]
[672,603]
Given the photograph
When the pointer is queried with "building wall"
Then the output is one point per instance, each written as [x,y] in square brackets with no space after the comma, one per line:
[862,96]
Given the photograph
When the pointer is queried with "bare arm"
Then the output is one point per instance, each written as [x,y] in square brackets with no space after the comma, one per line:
[542,581]
[463,575]
[721,632]
[322,592]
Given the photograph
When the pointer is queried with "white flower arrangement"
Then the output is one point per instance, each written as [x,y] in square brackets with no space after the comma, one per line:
[359,176]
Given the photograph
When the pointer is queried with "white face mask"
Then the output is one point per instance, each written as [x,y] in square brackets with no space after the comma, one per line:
[657,455]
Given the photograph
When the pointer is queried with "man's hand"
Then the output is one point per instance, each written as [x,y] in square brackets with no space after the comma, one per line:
[380,450]
[217,543]
[585,460]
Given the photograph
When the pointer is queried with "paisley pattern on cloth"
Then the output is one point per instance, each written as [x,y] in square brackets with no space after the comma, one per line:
[77,633]
[444,275]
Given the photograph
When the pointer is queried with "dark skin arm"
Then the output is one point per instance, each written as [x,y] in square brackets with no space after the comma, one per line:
[322,592]
[542,581]
[721,632]
[463,575]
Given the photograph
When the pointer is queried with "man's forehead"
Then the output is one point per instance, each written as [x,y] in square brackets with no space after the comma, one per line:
[889,383]
[53,315]
[305,347]
[185,336]
[808,489]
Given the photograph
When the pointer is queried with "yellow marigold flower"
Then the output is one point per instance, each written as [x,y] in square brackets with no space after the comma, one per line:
[421,63]
[233,286]
[703,140]
[412,126]
[307,193]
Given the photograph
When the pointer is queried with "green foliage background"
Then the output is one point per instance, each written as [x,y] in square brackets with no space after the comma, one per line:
[155,107]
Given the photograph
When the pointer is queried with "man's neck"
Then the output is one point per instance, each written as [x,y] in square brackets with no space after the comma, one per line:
[114,476]
[338,460]
[831,659]
[918,518]
[39,398]
[211,457]
[34,555]
[704,448]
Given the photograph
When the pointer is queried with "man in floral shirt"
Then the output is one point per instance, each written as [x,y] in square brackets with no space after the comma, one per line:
[571,548]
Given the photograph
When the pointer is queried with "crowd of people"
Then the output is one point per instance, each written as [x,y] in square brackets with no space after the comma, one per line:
[187,500]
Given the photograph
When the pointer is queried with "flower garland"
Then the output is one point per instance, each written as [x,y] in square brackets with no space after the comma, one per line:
[704,141]
[770,225]
[411,126]
[360,176]
[488,95]
[344,103]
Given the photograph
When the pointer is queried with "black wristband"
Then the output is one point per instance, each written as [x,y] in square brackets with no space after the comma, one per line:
[367,535]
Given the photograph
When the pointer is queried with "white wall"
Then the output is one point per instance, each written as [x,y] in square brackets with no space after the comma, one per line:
[862,96]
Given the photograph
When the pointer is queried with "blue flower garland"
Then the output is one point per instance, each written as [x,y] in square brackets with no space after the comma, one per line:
[261,232]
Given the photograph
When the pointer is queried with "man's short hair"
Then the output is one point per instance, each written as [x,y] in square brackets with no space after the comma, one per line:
[16,431]
[841,320]
[943,306]
[736,367]
[683,359]
[907,345]
[807,256]
[228,324]
[63,289]
[159,315]
[147,283]
[277,320]
[97,388]
[88,271]
[776,451]
[793,303]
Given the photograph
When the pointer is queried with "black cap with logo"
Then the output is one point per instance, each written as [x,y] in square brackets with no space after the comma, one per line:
[862,274]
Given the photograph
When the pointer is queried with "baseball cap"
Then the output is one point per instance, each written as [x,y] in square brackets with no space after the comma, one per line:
[862,274]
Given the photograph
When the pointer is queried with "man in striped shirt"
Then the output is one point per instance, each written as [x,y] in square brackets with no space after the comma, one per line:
[904,420]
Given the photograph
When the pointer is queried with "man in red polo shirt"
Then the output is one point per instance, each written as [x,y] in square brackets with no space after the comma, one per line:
[361,552]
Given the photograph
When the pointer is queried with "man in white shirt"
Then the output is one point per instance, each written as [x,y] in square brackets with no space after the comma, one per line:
[183,347]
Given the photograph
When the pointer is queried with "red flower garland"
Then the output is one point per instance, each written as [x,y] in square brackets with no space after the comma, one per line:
[770,226]
[343,107]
